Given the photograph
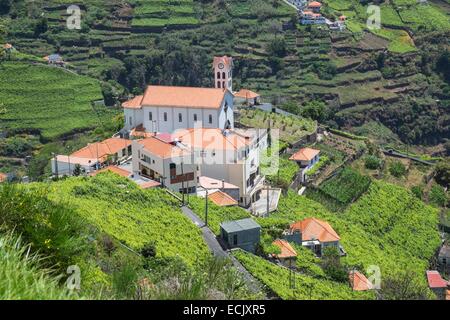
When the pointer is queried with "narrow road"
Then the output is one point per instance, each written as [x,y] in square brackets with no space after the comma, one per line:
[218,251]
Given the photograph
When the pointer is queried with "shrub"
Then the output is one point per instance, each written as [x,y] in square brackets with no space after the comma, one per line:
[372,162]
[437,196]
[397,169]
[417,191]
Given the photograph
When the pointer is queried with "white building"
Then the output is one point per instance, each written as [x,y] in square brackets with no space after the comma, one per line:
[225,155]
[166,109]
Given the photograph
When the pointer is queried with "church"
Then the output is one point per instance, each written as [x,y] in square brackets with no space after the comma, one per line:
[165,109]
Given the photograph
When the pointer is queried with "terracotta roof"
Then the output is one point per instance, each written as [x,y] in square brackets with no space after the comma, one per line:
[183,97]
[307,12]
[246,94]
[3,177]
[304,154]
[342,18]
[222,199]
[212,139]
[134,103]
[315,229]
[161,148]
[121,172]
[210,183]
[359,282]
[314,4]
[435,280]
[447,295]
[101,150]
[286,249]
[7,46]
[224,59]
[150,184]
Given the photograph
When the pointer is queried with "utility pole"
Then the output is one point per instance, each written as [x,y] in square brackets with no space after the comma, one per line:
[206,208]
[182,181]
[56,164]
[268,200]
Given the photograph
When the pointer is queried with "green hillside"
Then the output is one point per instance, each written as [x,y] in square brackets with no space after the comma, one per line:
[47,100]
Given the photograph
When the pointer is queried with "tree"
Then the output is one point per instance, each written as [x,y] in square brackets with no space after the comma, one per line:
[277,47]
[331,264]
[315,110]
[5,6]
[372,162]
[403,287]
[397,169]
[41,27]
[77,170]
[443,174]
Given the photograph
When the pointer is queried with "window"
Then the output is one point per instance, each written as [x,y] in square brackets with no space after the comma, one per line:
[195,117]
[226,106]
[218,75]
[223,75]
[150,116]
[218,84]
[165,116]
[180,117]
[235,239]
[223,84]
[210,118]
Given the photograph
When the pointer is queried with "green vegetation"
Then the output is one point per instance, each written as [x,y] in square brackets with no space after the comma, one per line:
[397,169]
[347,186]
[291,129]
[47,100]
[21,277]
[285,174]
[121,209]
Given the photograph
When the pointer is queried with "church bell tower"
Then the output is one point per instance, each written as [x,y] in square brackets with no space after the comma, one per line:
[223,73]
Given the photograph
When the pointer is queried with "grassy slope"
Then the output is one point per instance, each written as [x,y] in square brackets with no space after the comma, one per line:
[20,276]
[136,217]
[50,100]
[376,230]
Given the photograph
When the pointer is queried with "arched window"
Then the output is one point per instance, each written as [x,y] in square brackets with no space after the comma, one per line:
[223,84]
[218,84]
[223,75]
[218,75]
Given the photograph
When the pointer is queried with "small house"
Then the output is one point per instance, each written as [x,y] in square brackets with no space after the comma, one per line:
[54,59]
[287,254]
[436,283]
[444,256]
[3,177]
[313,234]
[315,6]
[358,281]
[247,97]
[306,158]
[222,199]
[212,185]
[244,234]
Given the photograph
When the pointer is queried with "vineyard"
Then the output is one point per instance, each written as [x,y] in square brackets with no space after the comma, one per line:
[135,217]
[47,100]
[373,231]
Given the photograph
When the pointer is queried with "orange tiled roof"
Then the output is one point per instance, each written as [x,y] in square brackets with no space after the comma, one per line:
[222,199]
[359,282]
[304,154]
[150,184]
[224,59]
[3,177]
[447,296]
[211,139]
[101,150]
[286,249]
[134,103]
[139,132]
[315,229]
[246,94]
[435,280]
[7,46]
[121,172]
[315,4]
[183,97]
[161,148]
